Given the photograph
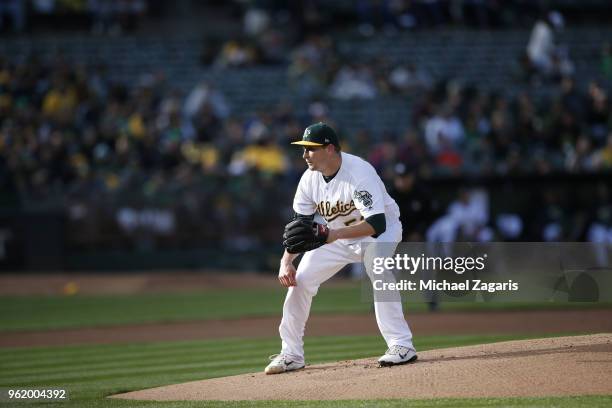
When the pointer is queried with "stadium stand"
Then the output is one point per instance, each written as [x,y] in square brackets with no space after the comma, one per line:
[96,128]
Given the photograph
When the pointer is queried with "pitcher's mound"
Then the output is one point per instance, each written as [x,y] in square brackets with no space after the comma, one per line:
[580,365]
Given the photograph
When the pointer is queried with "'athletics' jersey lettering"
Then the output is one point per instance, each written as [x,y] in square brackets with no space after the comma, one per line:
[356,192]
[330,212]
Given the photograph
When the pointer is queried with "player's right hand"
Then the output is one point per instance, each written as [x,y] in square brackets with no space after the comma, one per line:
[286,275]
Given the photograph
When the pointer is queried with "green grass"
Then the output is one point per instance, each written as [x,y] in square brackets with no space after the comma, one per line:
[54,312]
[90,373]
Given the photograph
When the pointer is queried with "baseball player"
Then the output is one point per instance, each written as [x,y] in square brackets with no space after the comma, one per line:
[348,193]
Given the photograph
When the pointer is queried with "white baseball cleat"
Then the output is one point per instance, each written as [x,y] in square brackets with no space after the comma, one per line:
[397,355]
[280,363]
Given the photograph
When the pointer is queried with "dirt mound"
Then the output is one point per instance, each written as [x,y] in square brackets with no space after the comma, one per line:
[580,365]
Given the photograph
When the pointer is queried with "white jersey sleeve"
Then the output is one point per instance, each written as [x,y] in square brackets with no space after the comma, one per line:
[368,194]
[303,202]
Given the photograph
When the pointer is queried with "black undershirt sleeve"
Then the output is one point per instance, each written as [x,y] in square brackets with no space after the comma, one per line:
[303,217]
[378,222]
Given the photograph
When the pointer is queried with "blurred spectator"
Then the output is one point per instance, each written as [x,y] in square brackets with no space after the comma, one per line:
[541,46]
[256,21]
[269,39]
[43,6]
[388,16]
[115,16]
[402,14]
[272,44]
[443,130]
[204,96]
[410,149]
[353,81]
[15,11]
[603,156]
[407,79]
[580,158]
[600,228]
[552,218]
[312,64]
[465,220]
[383,153]
[547,58]
[236,54]
[597,115]
[417,207]
[263,156]
[509,226]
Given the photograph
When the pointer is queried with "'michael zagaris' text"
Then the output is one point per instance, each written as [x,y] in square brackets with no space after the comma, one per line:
[444,285]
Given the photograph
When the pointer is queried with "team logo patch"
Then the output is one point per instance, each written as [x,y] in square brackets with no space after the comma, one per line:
[363,197]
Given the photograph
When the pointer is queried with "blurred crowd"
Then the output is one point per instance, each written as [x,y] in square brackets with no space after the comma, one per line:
[459,129]
[144,164]
[67,132]
[111,17]
[272,30]
[316,69]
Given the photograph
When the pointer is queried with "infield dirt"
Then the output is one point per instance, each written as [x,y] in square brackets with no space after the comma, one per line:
[562,366]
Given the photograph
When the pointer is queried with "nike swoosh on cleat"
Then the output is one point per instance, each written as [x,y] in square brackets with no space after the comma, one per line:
[403,356]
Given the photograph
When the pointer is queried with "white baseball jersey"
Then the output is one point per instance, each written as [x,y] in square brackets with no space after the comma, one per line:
[355,193]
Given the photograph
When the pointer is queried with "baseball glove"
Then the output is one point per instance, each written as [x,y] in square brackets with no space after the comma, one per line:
[304,235]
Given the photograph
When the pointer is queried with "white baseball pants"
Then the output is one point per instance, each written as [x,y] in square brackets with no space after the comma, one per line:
[319,265]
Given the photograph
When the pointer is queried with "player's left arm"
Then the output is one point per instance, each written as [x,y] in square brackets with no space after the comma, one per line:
[369,200]
[374,225]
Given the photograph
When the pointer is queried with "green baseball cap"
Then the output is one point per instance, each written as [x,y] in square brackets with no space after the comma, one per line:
[318,134]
